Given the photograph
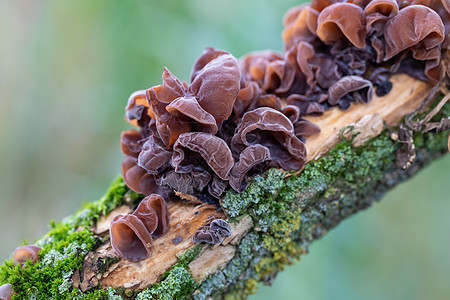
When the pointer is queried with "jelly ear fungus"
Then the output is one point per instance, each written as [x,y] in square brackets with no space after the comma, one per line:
[24,253]
[6,292]
[132,235]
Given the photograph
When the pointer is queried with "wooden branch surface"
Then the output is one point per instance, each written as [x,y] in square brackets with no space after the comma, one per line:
[366,119]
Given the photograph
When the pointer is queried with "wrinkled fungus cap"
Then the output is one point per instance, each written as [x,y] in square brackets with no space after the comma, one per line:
[154,213]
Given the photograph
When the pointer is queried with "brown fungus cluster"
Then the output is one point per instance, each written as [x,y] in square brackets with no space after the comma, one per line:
[215,132]
[236,118]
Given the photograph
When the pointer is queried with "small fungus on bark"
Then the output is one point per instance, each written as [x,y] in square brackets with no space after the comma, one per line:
[6,291]
[24,253]
[212,233]
[130,237]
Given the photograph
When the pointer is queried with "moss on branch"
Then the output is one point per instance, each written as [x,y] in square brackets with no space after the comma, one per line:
[289,211]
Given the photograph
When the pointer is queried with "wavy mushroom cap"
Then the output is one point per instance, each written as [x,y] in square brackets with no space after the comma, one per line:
[187,183]
[168,126]
[221,226]
[252,161]
[354,87]
[129,142]
[201,106]
[292,112]
[342,19]
[215,82]
[137,108]
[382,8]
[414,26]
[205,235]
[189,107]
[266,67]
[24,253]
[154,157]
[300,25]
[212,150]
[305,128]
[272,129]
[6,291]
[321,4]
[136,178]
[154,213]
[130,237]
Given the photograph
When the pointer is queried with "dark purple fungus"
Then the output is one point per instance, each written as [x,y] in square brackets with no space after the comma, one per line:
[201,106]
[205,235]
[221,226]
[154,157]
[217,187]
[350,89]
[308,105]
[253,160]
[137,111]
[320,69]
[6,291]
[129,142]
[189,107]
[267,68]
[197,148]
[342,20]
[136,178]
[177,240]
[292,112]
[419,29]
[156,203]
[216,84]
[24,253]
[245,96]
[212,233]
[187,183]
[305,128]
[130,238]
[272,129]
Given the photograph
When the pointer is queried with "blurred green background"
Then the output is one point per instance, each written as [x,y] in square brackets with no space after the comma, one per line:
[66,71]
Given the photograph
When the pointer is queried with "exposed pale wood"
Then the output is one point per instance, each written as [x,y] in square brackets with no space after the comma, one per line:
[210,260]
[406,96]
[184,221]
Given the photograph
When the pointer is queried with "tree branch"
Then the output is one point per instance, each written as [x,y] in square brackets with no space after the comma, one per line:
[351,164]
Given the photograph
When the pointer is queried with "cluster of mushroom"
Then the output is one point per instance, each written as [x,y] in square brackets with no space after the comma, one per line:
[336,51]
[236,118]
[21,255]
[198,138]
[132,234]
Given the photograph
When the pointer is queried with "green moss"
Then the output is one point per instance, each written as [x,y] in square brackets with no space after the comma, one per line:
[178,284]
[63,250]
[291,210]
[104,263]
[50,276]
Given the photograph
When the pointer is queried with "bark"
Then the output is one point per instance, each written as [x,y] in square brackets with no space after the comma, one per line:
[358,156]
